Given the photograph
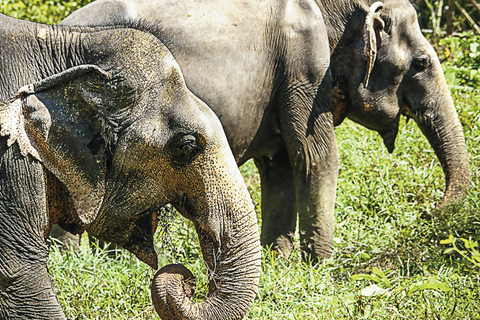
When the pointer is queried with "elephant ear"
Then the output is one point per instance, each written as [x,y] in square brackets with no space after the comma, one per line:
[55,122]
[371,34]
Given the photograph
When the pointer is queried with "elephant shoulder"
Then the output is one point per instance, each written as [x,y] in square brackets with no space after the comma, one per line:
[304,38]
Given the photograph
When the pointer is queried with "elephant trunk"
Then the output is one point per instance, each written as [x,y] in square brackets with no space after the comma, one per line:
[441,126]
[228,234]
[234,271]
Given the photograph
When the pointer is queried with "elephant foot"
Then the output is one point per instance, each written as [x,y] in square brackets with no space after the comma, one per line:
[316,251]
[283,245]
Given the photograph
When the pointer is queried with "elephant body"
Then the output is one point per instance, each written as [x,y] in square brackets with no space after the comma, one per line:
[263,67]
[268,69]
[98,131]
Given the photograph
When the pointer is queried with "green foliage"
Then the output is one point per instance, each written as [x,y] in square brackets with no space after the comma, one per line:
[470,251]
[432,14]
[462,60]
[48,12]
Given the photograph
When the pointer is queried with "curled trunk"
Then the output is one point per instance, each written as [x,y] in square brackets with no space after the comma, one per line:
[234,271]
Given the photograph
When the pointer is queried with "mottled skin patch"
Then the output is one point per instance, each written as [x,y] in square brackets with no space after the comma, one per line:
[118,136]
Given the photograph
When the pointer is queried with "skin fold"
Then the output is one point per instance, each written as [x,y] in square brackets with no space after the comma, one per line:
[98,131]
[271,72]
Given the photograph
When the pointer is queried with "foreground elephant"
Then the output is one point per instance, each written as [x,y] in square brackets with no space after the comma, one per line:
[98,132]
[259,64]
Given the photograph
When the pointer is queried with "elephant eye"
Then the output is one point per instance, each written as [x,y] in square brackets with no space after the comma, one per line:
[421,63]
[184,148]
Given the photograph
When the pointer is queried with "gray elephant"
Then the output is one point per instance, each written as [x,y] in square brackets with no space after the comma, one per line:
[263,67]
[382,68]
[98,132]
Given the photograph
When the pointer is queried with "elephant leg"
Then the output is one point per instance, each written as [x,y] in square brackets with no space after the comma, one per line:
[307,129]
[26,290]
[279,214]
[315,205]
[65,238]
[29,294]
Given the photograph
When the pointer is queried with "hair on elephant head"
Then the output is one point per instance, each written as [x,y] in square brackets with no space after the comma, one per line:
[106,138]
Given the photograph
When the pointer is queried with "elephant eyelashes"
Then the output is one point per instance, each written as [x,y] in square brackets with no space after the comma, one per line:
[184,148]
[421,63]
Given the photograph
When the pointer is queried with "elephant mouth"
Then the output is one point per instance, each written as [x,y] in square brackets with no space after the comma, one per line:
[140,241]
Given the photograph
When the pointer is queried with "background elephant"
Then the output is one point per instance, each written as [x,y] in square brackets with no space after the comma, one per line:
[263,68]
[382,68]
[98,132]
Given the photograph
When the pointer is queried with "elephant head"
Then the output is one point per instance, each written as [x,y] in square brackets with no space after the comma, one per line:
[118,141]
[394,71]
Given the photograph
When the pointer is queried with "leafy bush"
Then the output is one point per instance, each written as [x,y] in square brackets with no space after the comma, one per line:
[48,12]
[462,60]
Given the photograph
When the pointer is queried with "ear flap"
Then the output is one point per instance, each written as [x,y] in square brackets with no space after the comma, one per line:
[52,121]
[373,25]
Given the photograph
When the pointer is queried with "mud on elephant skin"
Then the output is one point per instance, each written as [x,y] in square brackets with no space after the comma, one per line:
[98,132]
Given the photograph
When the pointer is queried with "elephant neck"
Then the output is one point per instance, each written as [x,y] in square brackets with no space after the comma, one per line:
[339,19]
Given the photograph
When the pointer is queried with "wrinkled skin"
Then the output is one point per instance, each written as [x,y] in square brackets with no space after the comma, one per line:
[226,58]
[262,66]
[97,132]
[406,79]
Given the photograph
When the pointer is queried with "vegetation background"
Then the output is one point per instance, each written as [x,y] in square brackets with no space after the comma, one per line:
[396,257]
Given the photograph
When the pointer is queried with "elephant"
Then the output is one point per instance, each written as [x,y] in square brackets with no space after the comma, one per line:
[382,68]
[98,132]
[269,69]
[263,67]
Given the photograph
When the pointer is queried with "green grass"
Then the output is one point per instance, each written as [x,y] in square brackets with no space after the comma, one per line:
[387,237]
[388,261]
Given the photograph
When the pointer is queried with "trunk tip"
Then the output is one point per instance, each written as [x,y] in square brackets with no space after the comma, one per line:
[172,281]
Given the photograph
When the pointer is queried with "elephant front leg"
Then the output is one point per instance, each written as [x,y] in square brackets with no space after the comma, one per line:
[26,290]
[307,129]
[279,215]
[315,204]
[29,294]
